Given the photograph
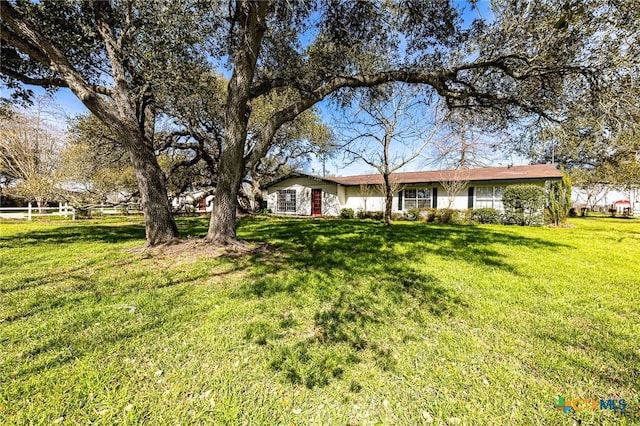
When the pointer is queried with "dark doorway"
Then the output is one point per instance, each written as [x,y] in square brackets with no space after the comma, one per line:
[316,202]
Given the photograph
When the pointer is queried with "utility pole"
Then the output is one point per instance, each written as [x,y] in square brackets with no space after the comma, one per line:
[324,165]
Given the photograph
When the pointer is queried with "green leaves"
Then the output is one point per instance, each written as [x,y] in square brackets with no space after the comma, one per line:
[559,199]
[523,204]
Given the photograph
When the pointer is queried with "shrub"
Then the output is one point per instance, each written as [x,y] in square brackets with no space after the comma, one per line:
[427,215]
[466,215]
[559,200]
[397,216]
[82,212]
[447,216]
[411,215]
[486,215]
[370,215]
[511,217]
[523,204]
[346,213]
[423,215]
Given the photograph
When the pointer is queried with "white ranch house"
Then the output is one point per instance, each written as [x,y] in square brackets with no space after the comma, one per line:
[306,195]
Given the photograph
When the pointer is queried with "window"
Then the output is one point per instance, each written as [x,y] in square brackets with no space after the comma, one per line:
[417,198]
[287,201]
[489,196]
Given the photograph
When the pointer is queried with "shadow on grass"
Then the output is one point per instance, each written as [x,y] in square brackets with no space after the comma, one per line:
[97,232]
[80,288]
[116,233]
[364,277]
[336,246]
[77,326]
[358,276]
[614,360]
[79,301]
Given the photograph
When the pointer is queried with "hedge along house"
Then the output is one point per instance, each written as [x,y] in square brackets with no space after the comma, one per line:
[306,195]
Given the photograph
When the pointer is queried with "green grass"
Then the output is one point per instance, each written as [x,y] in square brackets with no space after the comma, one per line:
[333,322]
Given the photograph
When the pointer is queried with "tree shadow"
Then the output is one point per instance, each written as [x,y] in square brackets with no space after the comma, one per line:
[85,288]
[116,233]
[362,275]
[70,297]
[82,333]
[621,363]
[355,274]
[345,326]
[358,246]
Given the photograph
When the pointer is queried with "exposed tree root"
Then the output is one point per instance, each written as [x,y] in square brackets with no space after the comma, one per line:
[178,248]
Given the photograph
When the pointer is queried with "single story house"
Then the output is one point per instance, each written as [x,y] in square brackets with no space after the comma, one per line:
[307,195]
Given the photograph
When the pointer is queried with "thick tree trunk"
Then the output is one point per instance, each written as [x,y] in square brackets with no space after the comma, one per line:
[222,228]
[160,226]
[120,115]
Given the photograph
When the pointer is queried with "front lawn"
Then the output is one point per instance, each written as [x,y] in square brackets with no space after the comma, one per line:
[319,322]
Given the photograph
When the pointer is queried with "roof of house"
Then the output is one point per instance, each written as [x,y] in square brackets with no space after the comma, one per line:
[512,173]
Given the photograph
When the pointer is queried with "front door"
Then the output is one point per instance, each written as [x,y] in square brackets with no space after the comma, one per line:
[316,202]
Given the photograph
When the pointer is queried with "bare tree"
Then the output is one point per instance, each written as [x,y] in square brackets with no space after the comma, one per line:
[388,188]
[463,144]
[95,163]
[387,131]
[592,187]
[453,183]
[366,191]
[30,151]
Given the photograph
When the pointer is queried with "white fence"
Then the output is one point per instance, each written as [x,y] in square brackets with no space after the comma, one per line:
[67,210]
[29,212]
[112,209]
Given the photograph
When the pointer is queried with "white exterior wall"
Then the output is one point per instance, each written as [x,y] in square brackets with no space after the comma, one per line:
[303,187]
[336,197]
[460,200]
[373,202]
[190,200]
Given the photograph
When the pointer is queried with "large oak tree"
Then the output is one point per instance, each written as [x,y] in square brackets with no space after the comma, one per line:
[108,53]
[512,66]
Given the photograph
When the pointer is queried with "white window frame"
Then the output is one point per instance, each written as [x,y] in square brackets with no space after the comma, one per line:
[284,205]
[492,200]
[421,200]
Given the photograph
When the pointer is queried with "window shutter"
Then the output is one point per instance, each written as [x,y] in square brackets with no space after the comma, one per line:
[400,200]
[435,198]
[470,202]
